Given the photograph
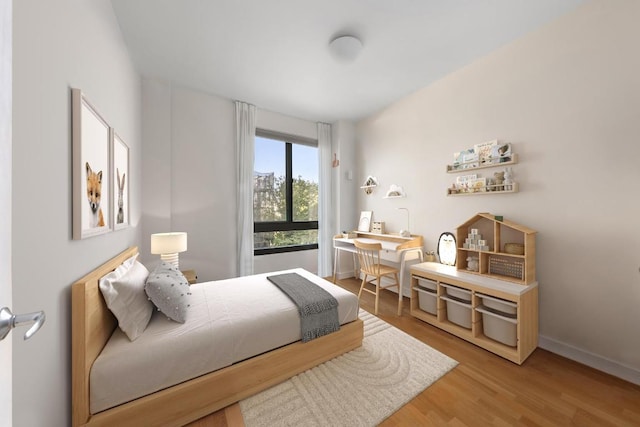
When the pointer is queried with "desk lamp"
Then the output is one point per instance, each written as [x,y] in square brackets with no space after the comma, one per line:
[168,245]
[405,232]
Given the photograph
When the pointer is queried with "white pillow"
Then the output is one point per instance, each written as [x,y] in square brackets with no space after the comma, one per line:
[169,290]
[123,291]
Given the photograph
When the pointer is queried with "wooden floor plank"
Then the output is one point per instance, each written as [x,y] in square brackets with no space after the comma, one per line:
[485,389]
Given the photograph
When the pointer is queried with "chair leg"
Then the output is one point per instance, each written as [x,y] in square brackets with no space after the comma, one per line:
[364,279]
[400,296]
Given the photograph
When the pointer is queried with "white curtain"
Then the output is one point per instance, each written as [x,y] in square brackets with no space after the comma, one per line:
[325,208]
[245,142]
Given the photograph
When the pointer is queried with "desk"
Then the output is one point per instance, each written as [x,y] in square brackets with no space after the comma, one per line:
[395,250]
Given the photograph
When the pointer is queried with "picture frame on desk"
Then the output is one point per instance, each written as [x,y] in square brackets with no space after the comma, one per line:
[365,221]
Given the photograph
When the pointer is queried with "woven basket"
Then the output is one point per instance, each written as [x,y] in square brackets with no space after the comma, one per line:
[514,248]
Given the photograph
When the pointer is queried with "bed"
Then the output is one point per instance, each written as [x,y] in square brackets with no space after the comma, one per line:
[93,326]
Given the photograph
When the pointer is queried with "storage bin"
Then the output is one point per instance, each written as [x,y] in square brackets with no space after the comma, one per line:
[503,306]
[498,326]
[427,284]
[457,293]
[458,312]
[427,300]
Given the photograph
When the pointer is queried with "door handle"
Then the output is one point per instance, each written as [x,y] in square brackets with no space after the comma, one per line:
[8,321]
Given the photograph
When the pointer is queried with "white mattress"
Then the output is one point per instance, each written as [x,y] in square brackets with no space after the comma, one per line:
[228,321]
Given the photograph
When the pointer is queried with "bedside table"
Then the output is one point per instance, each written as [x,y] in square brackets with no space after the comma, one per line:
[191,276]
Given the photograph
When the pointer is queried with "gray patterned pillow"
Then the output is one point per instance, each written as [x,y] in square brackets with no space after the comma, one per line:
[169,291]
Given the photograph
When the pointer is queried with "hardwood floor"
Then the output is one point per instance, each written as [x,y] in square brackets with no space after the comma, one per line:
[486,390]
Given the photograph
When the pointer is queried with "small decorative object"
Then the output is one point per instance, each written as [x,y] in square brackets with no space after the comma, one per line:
[369,184]
[335,163]
[473,264]
[377,227]
[499,217]
[394,191]
[430,256]
[507,268]
[365,221]
[508,179]
[498,177]
[447,251]
[405,232]
[491,184]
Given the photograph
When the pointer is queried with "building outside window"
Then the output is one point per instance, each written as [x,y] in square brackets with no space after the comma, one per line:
[285,193]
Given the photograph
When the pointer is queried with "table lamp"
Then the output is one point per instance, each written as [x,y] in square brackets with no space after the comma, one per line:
[168,245]
[405,232]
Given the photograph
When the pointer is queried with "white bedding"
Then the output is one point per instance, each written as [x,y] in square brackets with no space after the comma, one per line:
[228,321]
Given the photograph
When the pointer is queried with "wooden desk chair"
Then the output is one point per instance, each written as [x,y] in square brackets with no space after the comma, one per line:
[370,266]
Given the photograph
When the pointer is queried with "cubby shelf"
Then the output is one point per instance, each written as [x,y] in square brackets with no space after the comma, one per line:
[495,261]
[443,277]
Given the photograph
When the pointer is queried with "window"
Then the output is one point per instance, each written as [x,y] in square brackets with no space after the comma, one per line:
[285,194]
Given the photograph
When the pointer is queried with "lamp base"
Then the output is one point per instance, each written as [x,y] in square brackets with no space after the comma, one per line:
[171,259]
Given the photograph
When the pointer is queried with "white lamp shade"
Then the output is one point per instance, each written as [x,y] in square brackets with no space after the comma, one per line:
[168,243]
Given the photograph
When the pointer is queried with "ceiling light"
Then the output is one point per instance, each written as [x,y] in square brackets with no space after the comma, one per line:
[345,48]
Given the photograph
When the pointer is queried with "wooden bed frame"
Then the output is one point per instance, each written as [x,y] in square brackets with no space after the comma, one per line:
[93,324]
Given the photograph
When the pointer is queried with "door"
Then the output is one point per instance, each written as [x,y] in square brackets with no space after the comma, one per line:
[6,32]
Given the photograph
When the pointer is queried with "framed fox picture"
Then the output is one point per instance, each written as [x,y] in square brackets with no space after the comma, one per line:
[91,137]
[120,184]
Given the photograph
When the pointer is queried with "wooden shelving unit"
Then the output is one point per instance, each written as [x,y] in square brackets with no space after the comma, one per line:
[524,297]
[495,262]
[487,190]
[509,277]
[452,169]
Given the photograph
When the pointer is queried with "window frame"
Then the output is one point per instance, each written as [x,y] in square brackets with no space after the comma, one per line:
[289,224]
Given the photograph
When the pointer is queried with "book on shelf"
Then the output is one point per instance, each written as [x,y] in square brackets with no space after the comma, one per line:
[465,159]
[484,151]
[501,153]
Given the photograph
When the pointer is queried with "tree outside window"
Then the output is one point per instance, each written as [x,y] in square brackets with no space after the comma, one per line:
[285,197]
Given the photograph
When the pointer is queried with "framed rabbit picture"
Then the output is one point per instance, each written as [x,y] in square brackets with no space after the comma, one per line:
[120,184]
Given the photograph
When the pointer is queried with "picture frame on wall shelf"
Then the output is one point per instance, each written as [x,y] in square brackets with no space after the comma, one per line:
[91,178]
[121,177]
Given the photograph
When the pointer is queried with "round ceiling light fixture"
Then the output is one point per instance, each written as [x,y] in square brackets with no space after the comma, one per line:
[345,48]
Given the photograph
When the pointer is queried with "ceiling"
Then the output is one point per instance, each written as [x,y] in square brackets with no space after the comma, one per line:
[275,53]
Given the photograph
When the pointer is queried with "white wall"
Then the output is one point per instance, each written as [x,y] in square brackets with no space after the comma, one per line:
[59,45]
[5,204]
[189,168]
[567,97]
[189,177]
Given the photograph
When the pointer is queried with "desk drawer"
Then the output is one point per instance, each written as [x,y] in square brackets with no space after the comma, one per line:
[388,255]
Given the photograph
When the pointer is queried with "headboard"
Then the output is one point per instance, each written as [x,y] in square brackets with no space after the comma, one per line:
[91,326]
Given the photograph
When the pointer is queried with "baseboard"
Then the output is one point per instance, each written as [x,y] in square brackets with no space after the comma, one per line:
[590,359]
[344,274]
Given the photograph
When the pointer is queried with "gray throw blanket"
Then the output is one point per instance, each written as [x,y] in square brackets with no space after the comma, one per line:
[318,308]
